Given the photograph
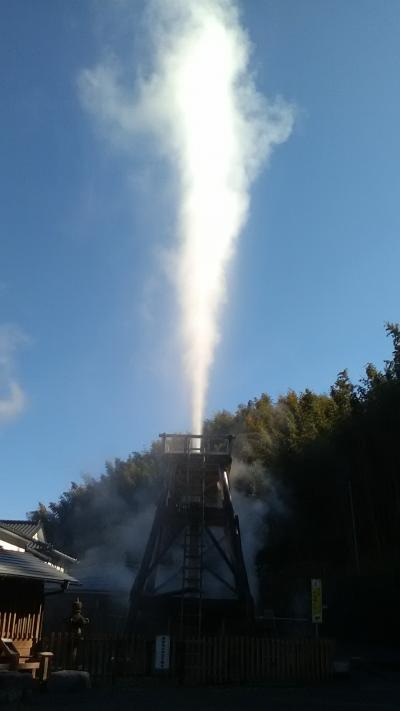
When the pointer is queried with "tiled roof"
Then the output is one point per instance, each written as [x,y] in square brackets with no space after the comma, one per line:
[24,528]
[26,565]
[31,544]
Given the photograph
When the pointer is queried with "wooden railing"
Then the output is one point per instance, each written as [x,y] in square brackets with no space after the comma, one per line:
[247,659]
[15,624]
[214,660]
[101,655]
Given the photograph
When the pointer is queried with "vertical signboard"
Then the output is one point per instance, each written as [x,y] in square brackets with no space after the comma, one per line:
[162,653]
[316,600]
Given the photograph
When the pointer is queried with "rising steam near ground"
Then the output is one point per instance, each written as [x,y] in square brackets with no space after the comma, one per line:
[254,497]
[200,102]
[113,563]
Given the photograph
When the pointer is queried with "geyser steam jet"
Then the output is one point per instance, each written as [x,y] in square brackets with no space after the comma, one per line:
[201,103]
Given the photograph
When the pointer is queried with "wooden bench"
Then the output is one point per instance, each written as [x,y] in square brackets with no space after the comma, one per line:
[16,655]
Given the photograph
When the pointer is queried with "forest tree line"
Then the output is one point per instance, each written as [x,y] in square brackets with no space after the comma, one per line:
[333,461]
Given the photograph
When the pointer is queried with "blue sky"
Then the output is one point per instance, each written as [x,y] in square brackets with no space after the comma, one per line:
[87,324]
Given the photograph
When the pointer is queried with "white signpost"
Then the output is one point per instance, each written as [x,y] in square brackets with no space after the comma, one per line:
[162,653]
[316,603]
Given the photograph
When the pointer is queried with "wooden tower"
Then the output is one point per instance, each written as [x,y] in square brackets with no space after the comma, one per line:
[192,579]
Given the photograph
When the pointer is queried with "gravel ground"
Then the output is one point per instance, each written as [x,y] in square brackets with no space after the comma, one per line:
[368,692]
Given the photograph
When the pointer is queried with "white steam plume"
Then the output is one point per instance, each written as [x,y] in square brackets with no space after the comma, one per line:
[201,103]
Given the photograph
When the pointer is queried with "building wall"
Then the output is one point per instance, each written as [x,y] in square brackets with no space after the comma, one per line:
[106,611]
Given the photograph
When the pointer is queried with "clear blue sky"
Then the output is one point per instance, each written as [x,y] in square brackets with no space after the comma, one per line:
[315,278]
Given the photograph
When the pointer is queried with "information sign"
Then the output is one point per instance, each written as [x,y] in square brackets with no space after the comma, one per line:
[316,600]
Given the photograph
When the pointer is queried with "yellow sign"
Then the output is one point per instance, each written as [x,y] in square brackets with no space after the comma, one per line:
[316,600]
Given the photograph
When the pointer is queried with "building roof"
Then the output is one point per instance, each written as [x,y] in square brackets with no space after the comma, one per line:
[25,565]
[13,532]
[24,528]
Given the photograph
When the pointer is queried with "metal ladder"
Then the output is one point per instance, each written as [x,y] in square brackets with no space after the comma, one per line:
[193,544]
